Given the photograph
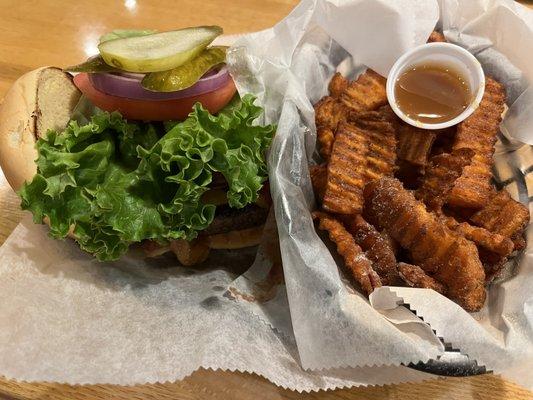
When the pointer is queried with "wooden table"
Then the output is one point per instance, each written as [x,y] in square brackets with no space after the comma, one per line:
[61,32]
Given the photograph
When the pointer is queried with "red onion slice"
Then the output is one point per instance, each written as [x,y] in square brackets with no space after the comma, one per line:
[129,85]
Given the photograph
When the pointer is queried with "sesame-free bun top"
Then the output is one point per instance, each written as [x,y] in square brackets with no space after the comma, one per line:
[40,100]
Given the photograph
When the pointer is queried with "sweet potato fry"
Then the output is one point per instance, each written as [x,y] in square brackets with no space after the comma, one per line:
[415,276]
[354,258]
[441,253]
[328,113]
[319,175]
[436,37]
[337,85]
[325,139]
[478,132]
[472,189]
[494,242]
[363,150]
[504,216]
[440,177]
[346,175]
[382,114]
[414,144]
[388,115]
[366,93]
[376,247]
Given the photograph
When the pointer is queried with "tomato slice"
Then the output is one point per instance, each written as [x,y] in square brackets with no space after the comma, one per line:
[155,110]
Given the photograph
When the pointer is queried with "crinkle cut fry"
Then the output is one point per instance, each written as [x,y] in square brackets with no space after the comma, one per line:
[478,132]
[337,85]
[328,113]
[494,242]
[363,150]
[415,276]
[382,114]
[318,175]
[345,176]
[387,114]
[354,258]
[504,216]
[494,249]
[376,246]
[441,174]
[414,144]
[325,138]
[446,256]
[366,93]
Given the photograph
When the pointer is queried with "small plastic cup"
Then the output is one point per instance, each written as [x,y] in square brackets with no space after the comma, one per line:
[448,54]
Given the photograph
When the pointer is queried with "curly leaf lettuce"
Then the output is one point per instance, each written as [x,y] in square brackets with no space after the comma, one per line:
[115,182]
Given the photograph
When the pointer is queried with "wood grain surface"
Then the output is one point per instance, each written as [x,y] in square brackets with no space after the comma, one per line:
[62,32]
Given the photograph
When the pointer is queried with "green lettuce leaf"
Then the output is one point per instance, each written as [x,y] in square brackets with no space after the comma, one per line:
[115,182]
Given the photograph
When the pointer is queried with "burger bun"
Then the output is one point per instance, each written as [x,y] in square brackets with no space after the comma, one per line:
[40,100]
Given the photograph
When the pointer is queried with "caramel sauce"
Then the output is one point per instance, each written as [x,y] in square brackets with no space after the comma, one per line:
[432,93]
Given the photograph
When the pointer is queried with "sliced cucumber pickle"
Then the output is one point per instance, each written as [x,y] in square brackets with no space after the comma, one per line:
[159,51]
[187,74]
[125,33]
[93,64]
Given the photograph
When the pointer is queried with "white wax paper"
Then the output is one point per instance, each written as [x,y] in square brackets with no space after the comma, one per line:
[289,67]
[67,318]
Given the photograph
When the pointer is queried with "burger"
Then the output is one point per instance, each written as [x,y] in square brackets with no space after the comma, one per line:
[146,144]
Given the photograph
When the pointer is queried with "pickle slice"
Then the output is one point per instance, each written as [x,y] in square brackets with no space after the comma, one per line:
[93,64]
[159,51]
[125,33]
[187,74]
